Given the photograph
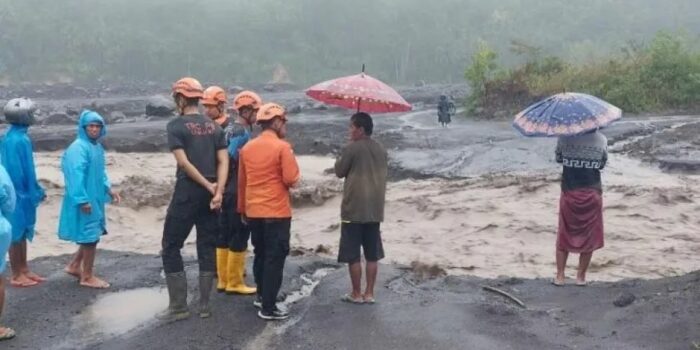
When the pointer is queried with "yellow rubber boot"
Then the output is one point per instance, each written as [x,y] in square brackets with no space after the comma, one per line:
[236,283]
[222,268]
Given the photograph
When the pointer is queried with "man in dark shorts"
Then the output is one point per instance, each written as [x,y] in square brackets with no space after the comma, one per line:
[199,147]
[363,164]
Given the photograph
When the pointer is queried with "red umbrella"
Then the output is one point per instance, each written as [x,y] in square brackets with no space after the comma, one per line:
[361,92]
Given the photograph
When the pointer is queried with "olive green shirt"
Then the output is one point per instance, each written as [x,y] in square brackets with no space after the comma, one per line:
[363,164]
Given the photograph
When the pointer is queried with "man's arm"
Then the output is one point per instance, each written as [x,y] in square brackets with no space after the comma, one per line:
[242,182]
[343,163]
[221,176]
[222,166]
[191,171]
[290,168]
[236,142]
[16,167]
[114,195]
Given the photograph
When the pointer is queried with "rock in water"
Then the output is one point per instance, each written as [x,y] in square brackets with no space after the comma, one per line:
[59,118]
[320,106]
[115,117]
[296,109]
[160,106]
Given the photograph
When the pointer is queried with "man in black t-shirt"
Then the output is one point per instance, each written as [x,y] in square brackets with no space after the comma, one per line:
[199,147]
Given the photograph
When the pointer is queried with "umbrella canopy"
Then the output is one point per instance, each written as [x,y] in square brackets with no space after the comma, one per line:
[566,114]
[361,92]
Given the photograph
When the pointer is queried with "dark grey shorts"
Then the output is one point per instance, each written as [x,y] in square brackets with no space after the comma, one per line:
[355,235]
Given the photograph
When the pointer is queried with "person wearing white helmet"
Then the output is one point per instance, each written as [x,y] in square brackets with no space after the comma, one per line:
[18,160]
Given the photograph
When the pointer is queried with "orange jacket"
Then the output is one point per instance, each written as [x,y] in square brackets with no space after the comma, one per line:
[266,171]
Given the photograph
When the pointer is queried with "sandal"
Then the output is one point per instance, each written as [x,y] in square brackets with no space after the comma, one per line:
[581,283]
[349,299]
[370,301]
[557,283]
[9,333]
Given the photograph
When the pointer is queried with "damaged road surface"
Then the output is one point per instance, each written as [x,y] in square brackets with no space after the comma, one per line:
[412,312]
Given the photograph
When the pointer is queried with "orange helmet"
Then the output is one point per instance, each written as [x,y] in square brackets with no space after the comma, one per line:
[213,95]
[188,87]
[269,111]
[247,98]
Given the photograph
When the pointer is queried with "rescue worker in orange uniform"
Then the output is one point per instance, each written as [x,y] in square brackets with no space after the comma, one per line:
[267,170]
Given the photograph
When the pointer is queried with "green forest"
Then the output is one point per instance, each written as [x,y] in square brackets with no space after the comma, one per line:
[661,75]
[400,41]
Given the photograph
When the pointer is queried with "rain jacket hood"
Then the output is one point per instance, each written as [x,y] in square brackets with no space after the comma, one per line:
[90,117]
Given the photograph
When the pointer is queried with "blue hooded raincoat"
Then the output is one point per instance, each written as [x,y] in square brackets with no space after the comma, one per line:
[18,160]
[7,206]
[85,175]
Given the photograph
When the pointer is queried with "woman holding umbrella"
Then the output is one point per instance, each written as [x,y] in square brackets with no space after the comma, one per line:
[582,151]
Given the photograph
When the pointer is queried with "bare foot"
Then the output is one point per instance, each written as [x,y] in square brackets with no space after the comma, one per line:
[75,272]
[559,280]
[6,333]
[34,277]
[94,282]
[22,281]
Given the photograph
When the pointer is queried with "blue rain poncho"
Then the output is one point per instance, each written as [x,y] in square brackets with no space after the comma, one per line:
[7,207]
[18,160]
[85,176]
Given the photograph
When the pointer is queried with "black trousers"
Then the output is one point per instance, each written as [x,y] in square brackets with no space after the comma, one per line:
[189,207]
[270,238]
[233,234]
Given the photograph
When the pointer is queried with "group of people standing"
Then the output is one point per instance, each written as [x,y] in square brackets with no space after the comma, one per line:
[87,191]
[233,184]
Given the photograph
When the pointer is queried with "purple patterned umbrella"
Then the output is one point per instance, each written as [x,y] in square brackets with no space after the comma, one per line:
[566,114]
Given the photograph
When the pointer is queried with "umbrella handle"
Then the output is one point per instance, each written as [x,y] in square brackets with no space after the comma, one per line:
[359,99]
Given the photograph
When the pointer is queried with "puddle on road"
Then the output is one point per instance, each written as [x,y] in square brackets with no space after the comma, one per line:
[117,313]
[309,283]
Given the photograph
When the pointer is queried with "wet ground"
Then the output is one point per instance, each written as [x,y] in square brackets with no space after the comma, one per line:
[413,311]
